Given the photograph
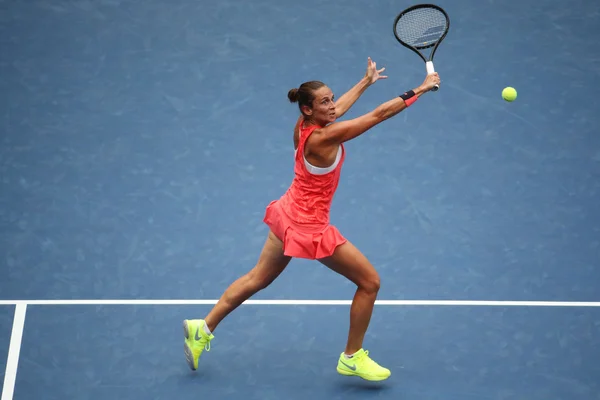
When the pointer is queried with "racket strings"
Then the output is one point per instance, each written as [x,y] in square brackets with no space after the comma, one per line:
[421,27]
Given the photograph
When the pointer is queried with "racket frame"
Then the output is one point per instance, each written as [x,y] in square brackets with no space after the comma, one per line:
[428,61]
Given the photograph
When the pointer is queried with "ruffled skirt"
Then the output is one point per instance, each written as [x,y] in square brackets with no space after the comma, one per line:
[300,241]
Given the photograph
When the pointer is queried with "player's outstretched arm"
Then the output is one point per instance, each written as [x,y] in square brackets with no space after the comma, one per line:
[372,75]
[343,131]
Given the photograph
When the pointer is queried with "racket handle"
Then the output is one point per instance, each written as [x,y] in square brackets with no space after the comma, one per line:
[431,70]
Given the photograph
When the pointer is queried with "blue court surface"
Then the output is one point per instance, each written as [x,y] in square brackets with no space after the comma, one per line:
[142,140]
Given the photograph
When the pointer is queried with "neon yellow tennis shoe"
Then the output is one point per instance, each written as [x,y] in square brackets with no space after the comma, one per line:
[361,365]
[196,341]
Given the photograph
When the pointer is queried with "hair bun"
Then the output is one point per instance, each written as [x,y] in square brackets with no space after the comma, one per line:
[293,95]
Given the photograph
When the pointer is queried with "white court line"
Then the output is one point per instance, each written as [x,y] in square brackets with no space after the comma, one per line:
[13,352]
[484,303]
[21,307]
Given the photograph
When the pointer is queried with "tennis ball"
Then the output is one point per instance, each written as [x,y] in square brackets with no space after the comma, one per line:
[509,94]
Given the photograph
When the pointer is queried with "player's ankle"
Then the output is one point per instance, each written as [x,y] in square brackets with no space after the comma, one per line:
[350,352]
[209,327]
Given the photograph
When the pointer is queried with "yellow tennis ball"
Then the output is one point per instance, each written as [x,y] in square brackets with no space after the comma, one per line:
[509,94]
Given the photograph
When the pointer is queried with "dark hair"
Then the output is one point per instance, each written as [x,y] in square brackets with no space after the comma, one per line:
[304,94]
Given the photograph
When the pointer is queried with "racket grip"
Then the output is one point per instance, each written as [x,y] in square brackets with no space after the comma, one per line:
[431,70]
[429,66]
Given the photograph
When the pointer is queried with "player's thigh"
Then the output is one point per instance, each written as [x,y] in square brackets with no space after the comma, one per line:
[271,261]
[349,261]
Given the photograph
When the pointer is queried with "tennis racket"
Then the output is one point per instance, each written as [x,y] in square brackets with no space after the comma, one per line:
[421,27]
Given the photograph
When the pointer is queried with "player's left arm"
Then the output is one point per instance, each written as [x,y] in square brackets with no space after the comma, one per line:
[343,104]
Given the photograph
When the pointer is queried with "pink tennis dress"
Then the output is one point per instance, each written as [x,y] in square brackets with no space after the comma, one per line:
[300,218]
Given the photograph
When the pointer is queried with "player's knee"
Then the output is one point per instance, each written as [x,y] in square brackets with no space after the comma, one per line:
[371,283]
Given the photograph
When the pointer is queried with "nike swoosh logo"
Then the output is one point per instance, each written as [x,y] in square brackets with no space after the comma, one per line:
[198,337]
[353,367]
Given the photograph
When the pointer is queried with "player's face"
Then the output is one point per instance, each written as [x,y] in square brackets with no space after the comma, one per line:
[323,109]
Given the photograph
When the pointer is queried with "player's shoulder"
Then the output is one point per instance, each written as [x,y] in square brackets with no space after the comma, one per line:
[326,133]
[318,134]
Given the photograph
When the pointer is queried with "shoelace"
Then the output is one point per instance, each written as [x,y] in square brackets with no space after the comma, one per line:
[367,360]
[207,345]
[202,338]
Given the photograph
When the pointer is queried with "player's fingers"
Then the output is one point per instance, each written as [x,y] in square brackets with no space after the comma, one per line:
[381,70]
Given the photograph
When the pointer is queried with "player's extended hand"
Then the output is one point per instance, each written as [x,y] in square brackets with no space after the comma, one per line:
[373,74]
[430,81]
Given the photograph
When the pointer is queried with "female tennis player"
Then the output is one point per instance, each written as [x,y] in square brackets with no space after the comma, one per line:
[299,220]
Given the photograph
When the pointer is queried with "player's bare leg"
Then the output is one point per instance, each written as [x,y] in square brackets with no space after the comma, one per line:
[351,263]
[270,265]
[198,333]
